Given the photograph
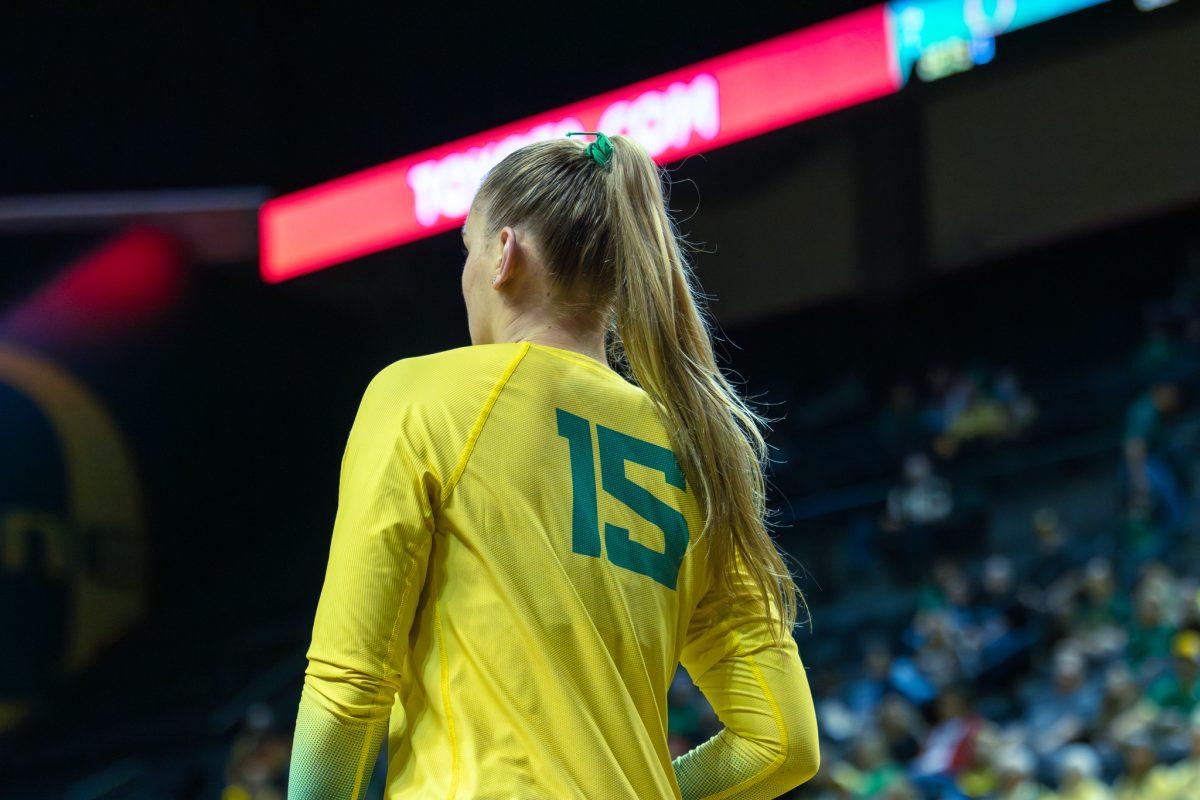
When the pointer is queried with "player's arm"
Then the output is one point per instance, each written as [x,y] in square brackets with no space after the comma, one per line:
[752,675]
[377,561]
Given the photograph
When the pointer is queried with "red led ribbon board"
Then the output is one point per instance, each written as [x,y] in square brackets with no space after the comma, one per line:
[726,99]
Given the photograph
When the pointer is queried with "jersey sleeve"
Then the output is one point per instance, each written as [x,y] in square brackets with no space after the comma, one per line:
[382,536]
[751,674]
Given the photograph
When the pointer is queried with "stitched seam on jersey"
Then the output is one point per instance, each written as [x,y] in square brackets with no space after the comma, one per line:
[362,761]
[783,736]
[480,421]
[444,663]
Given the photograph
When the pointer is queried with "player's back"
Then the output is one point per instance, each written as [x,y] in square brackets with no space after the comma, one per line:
[559,584]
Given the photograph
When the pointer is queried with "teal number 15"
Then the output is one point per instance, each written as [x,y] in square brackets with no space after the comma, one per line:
[615,449]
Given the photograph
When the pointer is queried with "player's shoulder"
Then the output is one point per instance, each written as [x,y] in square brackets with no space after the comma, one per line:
[462,372]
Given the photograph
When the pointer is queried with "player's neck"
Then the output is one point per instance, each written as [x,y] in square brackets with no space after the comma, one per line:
[549,332]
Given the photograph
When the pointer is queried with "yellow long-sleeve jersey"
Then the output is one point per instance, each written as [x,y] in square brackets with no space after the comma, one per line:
[515,573]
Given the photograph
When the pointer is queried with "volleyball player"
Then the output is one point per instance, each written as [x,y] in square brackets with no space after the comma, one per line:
[527,543]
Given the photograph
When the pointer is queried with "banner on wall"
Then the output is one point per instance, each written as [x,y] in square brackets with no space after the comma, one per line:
[73,545]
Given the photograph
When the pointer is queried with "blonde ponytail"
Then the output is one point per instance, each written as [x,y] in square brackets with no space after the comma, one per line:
[608,239]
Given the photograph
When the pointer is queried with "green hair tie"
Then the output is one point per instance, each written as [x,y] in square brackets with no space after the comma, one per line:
[600,150]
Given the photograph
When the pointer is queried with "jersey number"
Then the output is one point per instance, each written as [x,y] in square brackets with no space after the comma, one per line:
[615,449]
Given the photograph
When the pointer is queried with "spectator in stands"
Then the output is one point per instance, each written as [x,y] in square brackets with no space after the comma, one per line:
[1187,772]
[979,778]
[942,405]
[1079,775]
[1152,630]
[1062,712]
[923,499]
[863,694]
[1149,414]
[940,648]
[1143,779]
[1014,766]
[949,746]
[902,728]
[971,413]
[1123,713]
[948,589]
[1021,408]
[912,514]
[1152,476]
[1002,621]
[1051,558]
[1102,613]
[876,771]
[258,761]
[999,594]
[1178,691]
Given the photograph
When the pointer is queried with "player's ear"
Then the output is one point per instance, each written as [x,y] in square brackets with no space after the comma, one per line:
[510,257]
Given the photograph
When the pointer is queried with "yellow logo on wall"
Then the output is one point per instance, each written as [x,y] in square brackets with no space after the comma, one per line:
[80,570]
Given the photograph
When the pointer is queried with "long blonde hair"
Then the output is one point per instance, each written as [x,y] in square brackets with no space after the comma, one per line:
[613,250]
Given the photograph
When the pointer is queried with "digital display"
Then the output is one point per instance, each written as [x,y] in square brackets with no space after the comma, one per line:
[938,37]
[817,70]
[717,102]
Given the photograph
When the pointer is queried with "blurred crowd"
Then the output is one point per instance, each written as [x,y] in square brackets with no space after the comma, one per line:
[1064,663]
[1043,677]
